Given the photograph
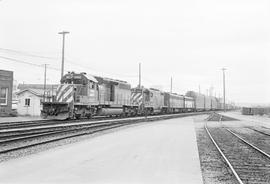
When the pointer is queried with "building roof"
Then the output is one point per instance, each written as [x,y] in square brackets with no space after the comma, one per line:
[7,71]
[37,92]
[37,86]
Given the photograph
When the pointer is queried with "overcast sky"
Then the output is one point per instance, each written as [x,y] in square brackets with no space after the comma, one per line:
[188,40]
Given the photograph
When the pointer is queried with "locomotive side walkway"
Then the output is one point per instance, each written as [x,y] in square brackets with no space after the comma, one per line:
[157,152]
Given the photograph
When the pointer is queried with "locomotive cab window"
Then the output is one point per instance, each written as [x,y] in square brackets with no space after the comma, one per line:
[147,96]
[84,82]
[91,85]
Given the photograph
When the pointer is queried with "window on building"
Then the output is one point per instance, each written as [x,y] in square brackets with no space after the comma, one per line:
[27,102]
[3,96]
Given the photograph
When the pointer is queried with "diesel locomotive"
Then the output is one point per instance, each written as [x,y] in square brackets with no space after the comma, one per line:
[82,96]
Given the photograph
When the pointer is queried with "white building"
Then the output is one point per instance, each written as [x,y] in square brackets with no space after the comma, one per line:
[30,101]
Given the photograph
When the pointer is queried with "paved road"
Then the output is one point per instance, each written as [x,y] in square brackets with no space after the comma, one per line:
[158,152]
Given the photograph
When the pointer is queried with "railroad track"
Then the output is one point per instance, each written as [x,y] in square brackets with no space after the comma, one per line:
[13,139]
[260,131]
[21,124]
[39,139]
[248,163]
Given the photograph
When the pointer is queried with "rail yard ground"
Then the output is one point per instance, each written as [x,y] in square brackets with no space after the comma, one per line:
[244,143]
[156,152]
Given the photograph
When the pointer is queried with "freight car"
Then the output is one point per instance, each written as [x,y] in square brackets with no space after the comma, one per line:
[189,104]
[203,102]
[247,111]
[199,100]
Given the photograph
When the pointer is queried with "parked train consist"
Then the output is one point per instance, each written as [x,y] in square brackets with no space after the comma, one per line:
[203,102]
[82,96]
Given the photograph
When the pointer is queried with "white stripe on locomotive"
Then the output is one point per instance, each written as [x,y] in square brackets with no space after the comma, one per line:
[70,99]
[62,91]
[67,93]
[58,92]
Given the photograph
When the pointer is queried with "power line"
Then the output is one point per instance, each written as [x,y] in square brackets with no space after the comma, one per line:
[20,61]
[28,54]
[25,62]
[41,65]
[83,66]
[55,58]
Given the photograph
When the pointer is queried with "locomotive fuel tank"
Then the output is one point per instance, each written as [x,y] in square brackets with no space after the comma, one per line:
[110,111]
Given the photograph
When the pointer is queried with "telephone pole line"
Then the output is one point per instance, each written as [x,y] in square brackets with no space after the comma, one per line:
[45,78]
[224,100]
[63,51]
[171,85]
[140,75]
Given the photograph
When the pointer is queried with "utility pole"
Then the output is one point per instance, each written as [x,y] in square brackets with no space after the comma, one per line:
[52,93]
[45,78]
[63,51]
[171,85]
[140,75]
[224,100]
[199,89]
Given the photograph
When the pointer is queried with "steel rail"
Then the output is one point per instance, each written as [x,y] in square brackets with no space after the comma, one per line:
[246,142]
[249,144]
[61,138]
[9,136]
[5,141]
[46,133]
[222,154]
[25,124]
[65,124]
[261,132]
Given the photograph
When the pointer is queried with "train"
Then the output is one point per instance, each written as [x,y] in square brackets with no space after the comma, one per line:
[80,95]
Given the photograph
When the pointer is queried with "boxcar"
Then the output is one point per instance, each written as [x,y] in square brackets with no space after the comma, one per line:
[208,103]
[189,104]
[214,103]
[199,100]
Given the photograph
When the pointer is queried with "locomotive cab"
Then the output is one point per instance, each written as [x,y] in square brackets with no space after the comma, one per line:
[75,97]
